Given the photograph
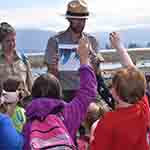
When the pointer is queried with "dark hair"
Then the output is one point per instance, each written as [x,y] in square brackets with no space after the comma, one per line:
[25,101]
[47,85]
[147,76]
[5,29]
[11,84]
[1,87]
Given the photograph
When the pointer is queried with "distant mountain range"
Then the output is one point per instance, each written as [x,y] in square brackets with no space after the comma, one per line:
[31,40]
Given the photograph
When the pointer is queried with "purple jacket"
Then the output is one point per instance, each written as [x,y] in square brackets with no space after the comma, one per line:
[73,113]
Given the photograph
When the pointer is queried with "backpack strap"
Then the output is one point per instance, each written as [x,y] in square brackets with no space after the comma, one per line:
[71,147]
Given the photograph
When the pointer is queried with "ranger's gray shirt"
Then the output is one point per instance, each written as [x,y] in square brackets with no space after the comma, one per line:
[69,78]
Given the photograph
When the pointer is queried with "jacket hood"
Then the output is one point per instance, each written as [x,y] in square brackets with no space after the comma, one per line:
[41,107]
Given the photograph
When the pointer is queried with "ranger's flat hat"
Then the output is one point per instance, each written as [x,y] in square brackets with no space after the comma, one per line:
[77,9]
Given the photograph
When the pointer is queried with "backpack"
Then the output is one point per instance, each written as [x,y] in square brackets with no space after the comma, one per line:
[50,134]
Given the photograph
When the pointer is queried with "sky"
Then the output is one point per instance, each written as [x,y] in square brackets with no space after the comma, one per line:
[106,15]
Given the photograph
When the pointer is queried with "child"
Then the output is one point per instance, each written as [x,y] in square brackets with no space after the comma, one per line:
[17,113]
[47,93]
[126,127]
[10,139]
[95,111]
[147,76]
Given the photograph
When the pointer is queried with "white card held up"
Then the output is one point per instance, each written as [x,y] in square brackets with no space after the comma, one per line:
[68,57]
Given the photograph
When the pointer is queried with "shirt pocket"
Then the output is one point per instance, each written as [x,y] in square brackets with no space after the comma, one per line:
[20,70]
[5,70]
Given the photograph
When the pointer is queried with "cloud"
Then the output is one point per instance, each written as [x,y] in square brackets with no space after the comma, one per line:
[33,17]
[106,15]
[116,15]
[119,6]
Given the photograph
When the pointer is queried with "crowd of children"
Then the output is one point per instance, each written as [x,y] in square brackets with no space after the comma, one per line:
[96,118]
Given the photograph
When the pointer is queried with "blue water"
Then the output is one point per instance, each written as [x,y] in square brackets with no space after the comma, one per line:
[103,66]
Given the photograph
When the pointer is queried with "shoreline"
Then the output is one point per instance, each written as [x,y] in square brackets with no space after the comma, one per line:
[110,56]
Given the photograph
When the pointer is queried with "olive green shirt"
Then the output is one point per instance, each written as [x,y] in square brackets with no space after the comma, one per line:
[18,69]
[69,78]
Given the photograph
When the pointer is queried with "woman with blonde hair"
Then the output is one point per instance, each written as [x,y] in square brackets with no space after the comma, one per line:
[10,62]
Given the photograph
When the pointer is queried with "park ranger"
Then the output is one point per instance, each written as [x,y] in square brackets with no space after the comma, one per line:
[77,13]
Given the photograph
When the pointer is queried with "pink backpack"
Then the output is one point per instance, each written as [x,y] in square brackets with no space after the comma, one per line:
[50,134]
